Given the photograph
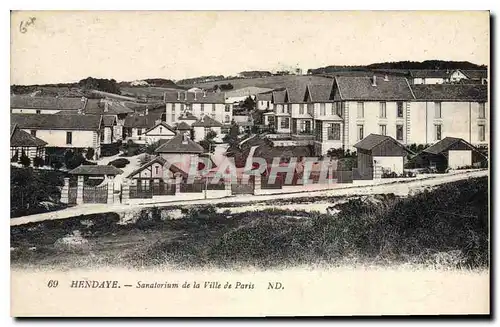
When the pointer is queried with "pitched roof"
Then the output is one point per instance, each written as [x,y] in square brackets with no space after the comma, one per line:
[20,138]
[320,92]
[108,120]
[180,144]
[173,168]
[475,74]
[207,121]
[279,96]
[445,144]
[361,88]
[57,121]
[57,103]
[106,107]
[194,97]
[143,121]
[264,96]
[455,92]
[430,73]
[373,140]
[161,123]
[96,170]
[187,116]
[183,126]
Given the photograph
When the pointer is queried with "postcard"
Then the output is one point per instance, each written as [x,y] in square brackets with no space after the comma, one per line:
[249,163]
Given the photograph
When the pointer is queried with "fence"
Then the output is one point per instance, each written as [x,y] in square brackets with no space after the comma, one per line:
[344,176]
[362,174]
[72,191]
[195,187]
[147,191]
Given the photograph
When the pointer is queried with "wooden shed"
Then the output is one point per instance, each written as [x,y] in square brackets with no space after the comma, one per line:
[380,150]
[450,152]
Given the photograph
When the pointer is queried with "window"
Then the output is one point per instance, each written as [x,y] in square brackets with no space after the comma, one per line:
[161,129]
[163,117]
[227,119]
[173,107]
[383,129]
[437,109]
[437,135]
[38,111]
[338,108]
[482,110]
[173,116]
[213,107]
[383,110]
[400,109]
[280,108]
[482,133]
[285,122]
[361,110]
[361,132]
[202,107]
[139,131]
[69,137]
[322,109]
[157,170]
[399,132]
[213,116]
[334,132]
[182,107]
[33,132]
[228,107]
[310,108]
[301,109]
[319,131]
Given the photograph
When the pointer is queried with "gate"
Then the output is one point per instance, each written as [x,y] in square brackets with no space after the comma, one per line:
[97,194]
[72,195]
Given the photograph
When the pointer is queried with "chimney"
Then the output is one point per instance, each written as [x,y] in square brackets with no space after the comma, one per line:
[185,96]
[164,96]
[178,95]
[386,78]
[374,80]
[106,106]
[204,94]
[158,121]
[147,111]
[184,139]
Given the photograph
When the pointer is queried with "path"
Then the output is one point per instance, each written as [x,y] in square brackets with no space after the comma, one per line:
[401,188]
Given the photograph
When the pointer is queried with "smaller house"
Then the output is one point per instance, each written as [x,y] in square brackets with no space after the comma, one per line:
[109,122]
[187,118]
[161,131]
[137,124]
[184,128]
[23,142]
[204,125]
[180,151]
[158,170]
[450,152]
[429,76]
[381,151]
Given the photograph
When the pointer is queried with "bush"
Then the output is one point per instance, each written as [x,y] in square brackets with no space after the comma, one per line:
[132,149]
[119,163]
[24,160]
[56,164]
[108,150]
[38,162]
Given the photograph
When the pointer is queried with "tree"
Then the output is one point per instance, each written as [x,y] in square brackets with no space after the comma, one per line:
[73,159]
[90,154]
[15,158]
[248,104]
[232,137]
[100,84]
[38,162]
[208,143]
[25,160]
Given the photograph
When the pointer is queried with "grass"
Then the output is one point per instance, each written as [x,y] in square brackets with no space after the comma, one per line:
[271,82]
[446,227]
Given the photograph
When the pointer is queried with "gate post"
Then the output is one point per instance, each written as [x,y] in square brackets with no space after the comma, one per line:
[79,190]
[377,171]
[111,192]
[65,191]
[178,181]
[257,185]
[125,192]
[227,186]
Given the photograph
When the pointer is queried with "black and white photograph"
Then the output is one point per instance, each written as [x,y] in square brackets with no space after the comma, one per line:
[160,160]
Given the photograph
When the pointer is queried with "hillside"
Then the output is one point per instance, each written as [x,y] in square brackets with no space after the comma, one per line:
[271,82]
[401,65]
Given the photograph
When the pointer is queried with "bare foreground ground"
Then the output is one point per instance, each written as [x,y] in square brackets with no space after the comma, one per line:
[443,227]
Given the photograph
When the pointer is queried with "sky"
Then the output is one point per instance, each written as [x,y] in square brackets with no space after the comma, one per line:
[66,46]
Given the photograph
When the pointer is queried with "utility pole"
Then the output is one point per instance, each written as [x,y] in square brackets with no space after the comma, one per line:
[206,179]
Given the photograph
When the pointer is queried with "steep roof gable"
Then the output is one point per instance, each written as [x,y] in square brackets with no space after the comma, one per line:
[180,144]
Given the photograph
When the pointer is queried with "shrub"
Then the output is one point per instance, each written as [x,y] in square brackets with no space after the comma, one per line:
[119,163]
[25,160]
[38,162]
[56,164]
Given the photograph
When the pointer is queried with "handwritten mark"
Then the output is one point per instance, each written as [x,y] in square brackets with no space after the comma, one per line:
[23,27]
